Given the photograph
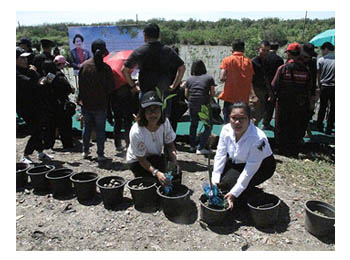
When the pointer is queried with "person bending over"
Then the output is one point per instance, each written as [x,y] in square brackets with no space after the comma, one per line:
[151,132]
[243,157]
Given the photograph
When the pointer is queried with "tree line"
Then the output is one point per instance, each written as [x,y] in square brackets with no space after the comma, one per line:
[197,32]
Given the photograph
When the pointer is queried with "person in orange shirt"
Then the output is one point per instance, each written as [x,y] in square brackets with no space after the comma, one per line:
[237,73]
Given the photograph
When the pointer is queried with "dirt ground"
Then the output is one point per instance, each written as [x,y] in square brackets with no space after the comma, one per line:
[49,224]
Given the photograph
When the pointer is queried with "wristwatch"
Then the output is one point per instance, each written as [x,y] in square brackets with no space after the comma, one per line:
[154,173]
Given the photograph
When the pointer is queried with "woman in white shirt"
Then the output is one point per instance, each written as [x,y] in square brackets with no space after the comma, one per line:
[148,135]
[243,157]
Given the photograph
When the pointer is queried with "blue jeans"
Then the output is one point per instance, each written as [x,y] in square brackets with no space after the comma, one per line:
[95,119]
[193,129]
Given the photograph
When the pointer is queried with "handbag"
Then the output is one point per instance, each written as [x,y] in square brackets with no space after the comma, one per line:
[216,111]
[69,108]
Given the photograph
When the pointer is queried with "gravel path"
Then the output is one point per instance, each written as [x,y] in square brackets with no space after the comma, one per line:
[46,223]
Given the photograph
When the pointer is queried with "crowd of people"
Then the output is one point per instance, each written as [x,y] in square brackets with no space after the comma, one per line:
[253,90]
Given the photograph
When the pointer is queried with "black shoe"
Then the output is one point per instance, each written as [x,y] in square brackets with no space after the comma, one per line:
[319,128]
[328,132]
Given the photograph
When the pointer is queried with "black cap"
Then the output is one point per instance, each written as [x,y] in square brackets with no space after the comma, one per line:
[26,42]
[150,98]
[99,44]
[47,43]
[21,52]
[309,48]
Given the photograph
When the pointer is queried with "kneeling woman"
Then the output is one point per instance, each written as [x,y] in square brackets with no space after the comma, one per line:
[148,135]
[243,158]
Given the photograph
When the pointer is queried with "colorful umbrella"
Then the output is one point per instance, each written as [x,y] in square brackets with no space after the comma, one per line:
[116,61]
[326,36]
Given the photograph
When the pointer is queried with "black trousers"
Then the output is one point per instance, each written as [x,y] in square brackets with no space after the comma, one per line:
[122,107]
[292,118]
[232,172]
[35,142]
[270,107]
[327,94]
[63,123]
[158,162]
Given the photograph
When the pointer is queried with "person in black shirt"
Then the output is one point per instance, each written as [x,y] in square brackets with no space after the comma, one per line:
[96,82]
[26,45]
[292,88]
[272,62]
[29,106]
[154,61]
[199,89]
[38,60]
[178,103]
[311,63]
[262,87]
[57,90]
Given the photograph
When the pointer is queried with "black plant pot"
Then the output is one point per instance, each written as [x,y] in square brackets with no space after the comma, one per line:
[209,215]
[264,209]
[21,175]
[84,184]
[60,183]
[145,197]
[319,217]
[38,179]
[174,203]
[111,195]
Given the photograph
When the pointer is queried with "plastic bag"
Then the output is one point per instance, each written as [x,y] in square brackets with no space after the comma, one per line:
[213,195]
[168,188]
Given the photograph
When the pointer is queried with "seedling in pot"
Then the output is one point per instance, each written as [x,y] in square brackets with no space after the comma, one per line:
[215,197]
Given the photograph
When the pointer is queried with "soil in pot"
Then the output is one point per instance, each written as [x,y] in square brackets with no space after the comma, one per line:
[21,175]
[38,179]
[212,214]
[60,182]
[111,189]
[143,192]
[217,207]
[319,218]
[84,184]
[174,203]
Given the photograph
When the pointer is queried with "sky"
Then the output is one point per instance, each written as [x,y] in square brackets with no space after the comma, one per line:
[88,12]
[88,17]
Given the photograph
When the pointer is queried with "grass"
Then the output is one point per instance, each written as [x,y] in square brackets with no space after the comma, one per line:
[313,173]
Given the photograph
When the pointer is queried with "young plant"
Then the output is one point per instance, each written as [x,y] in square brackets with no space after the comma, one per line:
[164,100]
[164,104]
[205,115]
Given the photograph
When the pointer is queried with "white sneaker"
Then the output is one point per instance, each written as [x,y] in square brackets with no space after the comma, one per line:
[45,156]
[202,151]
[85,155]
[192,149]
[101,158]
[26,159]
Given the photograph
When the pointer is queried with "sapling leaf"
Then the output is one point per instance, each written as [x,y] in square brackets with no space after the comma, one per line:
[203,116]
[205,109]
[159,93]
[170,96]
